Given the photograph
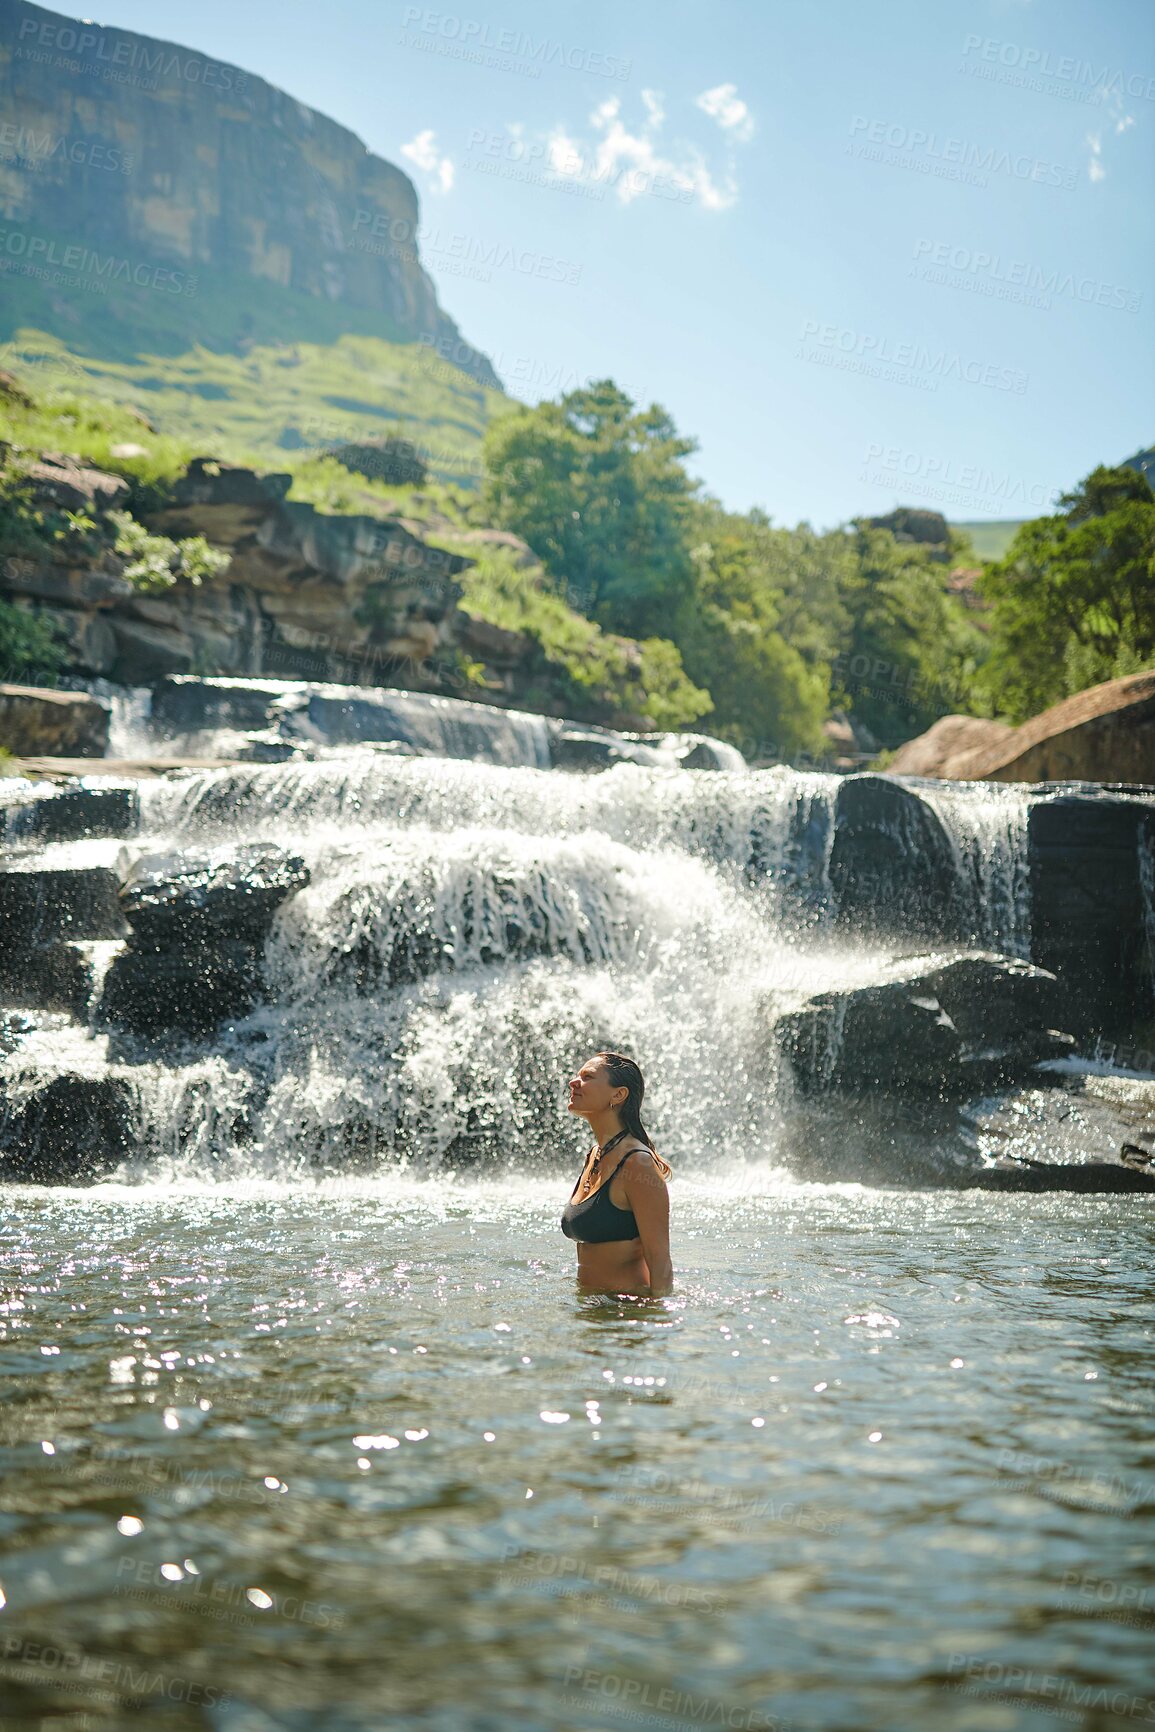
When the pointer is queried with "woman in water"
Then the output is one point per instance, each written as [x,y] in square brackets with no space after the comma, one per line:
[621,1223]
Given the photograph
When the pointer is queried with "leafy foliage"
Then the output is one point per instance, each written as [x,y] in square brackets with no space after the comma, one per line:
[30,652]
[579,670]
[1073,601]
[156,562]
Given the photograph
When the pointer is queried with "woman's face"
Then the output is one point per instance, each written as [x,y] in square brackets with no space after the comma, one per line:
[591,1090]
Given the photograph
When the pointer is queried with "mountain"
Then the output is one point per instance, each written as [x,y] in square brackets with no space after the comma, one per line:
[162,207]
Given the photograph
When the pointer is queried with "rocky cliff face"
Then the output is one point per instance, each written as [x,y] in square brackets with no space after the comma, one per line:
[126,158]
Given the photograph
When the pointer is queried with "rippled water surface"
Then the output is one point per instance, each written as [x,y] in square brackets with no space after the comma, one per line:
[363,1456]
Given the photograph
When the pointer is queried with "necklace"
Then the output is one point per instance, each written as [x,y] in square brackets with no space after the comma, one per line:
[602,1152]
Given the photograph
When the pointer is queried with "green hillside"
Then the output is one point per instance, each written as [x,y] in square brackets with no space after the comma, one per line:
[282,399]
[991,539]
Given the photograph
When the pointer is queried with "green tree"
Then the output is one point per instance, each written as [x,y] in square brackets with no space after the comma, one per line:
[1073,599]
[910,653]
[598,489]
[768,700]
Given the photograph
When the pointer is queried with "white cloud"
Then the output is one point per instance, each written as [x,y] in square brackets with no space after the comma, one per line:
[724,105]
[632,160]
[423,153]
[1095,166]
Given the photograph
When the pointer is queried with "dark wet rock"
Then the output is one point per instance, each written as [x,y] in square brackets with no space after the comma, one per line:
[949,1028]
[890,1037]
[190,990]
[56,976]
[1087,1176]
[39,721]
[574,747]
[70,1130]
[892,868]
[199,920]
[1087,901]
[71,813]
[195,897]
[182,704]
[39,904]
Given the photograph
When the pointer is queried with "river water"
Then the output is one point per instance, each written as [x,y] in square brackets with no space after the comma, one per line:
[306,1424]
[363,1456]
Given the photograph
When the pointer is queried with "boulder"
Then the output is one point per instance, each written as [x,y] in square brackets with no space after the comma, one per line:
[183,704]
[892,868]
[69,1130]
[1103,734]
[573,746]
[72,486]
[395,461]
[199,922]
[38,721]
[198,896]
[1088,1176]
[933,753]
[947,1028]
[225,502]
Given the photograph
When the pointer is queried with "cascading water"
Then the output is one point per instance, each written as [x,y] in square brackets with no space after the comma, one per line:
[471,930]
[987,827]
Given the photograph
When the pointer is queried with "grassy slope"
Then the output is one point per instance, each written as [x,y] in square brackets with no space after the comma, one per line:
[991,540]
[274,405]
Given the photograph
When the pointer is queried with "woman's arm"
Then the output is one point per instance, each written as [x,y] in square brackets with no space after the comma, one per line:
[650,1200]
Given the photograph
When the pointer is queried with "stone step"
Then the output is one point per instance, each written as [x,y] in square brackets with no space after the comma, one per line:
[41,904]
[30,813]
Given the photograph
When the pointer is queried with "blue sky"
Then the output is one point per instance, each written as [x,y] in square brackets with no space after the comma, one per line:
[865,256]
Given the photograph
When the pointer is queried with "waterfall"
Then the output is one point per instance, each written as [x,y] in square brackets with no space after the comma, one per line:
[987,826]
[471,931]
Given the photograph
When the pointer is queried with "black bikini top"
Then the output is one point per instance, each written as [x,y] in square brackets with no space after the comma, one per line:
[597,1221]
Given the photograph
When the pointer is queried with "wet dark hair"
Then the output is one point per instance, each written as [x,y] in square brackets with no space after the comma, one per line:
[625,1073]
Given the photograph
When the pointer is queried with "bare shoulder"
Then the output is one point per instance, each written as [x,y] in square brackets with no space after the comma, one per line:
[640,1165]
